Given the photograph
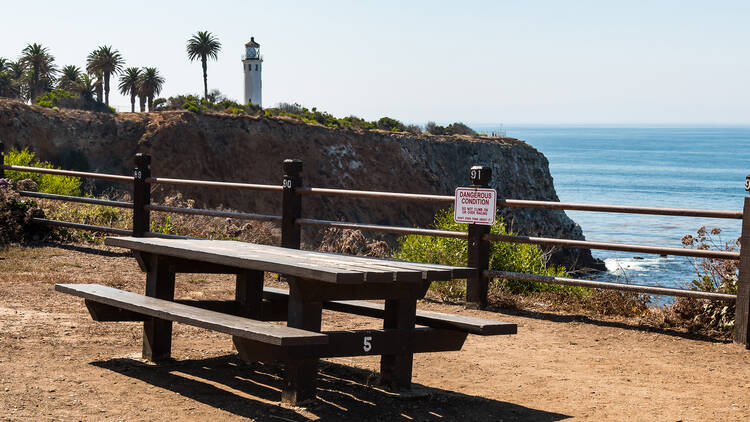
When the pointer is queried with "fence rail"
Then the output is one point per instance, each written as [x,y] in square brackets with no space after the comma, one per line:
[189,182]
[103,176]
[214,213]
[654,290]
[478,237]
[79,199]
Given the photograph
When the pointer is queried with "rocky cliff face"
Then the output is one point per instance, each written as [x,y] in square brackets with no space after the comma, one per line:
[250,149]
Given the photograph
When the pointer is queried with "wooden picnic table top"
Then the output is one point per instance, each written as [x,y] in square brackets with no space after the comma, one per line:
[321,266]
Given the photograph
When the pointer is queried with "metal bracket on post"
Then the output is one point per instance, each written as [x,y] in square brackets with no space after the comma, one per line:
[291,204]
[742,305]
[141,195]
[479,248]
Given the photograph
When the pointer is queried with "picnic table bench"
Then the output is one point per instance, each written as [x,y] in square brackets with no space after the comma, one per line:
[317,281]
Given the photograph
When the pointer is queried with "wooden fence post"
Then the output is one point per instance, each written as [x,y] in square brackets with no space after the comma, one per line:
[479,247]
[141,195]
[2,160]
[291,204]
[742,308]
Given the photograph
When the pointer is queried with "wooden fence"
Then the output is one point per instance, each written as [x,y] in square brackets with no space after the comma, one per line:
[478,237]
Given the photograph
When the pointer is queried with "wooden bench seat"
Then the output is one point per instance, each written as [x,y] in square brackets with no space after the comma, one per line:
[479,326]
[259,331]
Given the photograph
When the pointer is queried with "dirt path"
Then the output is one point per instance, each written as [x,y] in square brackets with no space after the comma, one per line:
[57,364]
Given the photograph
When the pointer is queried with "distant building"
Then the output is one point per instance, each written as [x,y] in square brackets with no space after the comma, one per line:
[252,64]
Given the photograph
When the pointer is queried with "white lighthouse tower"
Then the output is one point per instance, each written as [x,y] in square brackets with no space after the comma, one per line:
[252,63]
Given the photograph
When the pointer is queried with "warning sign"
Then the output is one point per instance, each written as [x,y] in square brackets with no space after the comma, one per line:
[475,206]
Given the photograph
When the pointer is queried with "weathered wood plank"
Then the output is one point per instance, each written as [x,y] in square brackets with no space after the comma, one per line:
[472,325]
[431,271]
[373,271]
[171,311]
[201,250]
[323,266]
[358,343]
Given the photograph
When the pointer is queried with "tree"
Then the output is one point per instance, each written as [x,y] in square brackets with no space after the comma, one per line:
[203,45]
[151,84]
[86,87]
[39,67]
[12,84]
[129,81]
[70,78]
[105,61]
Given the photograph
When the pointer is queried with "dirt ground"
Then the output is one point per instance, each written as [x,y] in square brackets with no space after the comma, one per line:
[58,364]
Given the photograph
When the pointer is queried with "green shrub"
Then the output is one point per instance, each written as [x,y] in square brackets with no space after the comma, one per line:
[49,183]
[513,257]
[60,98]
[55,98]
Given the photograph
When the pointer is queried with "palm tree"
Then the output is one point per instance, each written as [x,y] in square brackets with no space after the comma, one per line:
[203,45]
[151,84]
[129,82]
[6,82]
[14,71]
[70,78]
[38,63]
[86,87]
[105,61]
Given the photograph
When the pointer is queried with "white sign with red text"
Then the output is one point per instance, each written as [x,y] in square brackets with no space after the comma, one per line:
[475,206]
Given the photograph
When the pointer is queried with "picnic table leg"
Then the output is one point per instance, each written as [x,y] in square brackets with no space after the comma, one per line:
[300,374]
[157,333]
[249,293]
[396,370]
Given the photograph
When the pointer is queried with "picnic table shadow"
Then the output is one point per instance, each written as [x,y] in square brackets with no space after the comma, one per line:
[253,390]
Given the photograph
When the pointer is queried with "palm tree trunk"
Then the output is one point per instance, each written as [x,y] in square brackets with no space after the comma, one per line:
[205,78]
[132,103]
[142,102]
[150,103]
[106,88]
[33,84]
[98,90]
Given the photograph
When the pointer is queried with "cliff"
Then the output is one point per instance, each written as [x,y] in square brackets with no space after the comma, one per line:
[250,149]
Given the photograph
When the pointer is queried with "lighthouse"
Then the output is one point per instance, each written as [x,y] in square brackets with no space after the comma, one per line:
[252,64]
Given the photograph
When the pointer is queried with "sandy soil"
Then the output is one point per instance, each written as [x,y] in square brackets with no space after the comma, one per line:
[57,364]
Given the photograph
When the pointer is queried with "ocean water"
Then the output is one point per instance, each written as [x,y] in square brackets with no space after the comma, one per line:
[683,167]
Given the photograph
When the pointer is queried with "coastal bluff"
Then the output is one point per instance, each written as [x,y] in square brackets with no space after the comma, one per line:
[250,149]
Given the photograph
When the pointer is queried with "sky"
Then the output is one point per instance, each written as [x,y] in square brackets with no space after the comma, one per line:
[480,62]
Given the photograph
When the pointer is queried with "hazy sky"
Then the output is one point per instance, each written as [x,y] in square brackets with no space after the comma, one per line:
[511,62]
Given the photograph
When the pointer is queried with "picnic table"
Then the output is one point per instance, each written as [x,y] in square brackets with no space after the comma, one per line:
[316,280]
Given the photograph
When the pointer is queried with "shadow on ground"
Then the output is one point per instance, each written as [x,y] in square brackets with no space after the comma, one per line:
[546,316]
[95,250]
[344,393]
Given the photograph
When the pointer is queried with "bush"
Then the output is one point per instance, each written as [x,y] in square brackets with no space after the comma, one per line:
[503,256]
[457,128]
[712,275]
[49,183]
[393,125]
[16,215]
[60,98]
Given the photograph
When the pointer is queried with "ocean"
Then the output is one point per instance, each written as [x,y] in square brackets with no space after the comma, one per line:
[683,167]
